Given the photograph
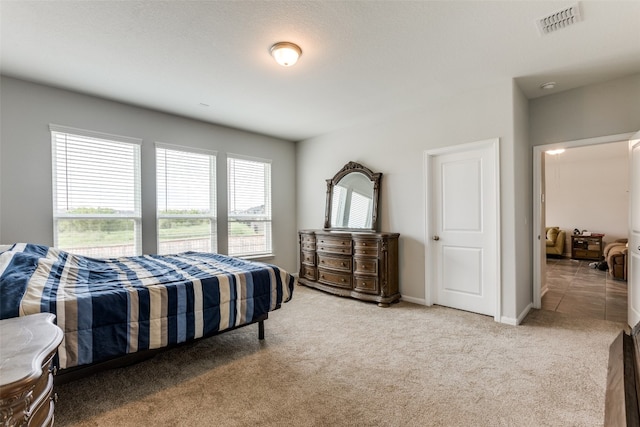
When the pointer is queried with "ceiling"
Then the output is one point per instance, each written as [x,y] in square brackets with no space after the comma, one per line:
[362,61]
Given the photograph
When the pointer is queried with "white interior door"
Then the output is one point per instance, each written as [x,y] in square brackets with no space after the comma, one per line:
[464,232]
[633,255]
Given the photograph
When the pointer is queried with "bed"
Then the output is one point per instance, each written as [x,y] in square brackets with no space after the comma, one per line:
[112,307]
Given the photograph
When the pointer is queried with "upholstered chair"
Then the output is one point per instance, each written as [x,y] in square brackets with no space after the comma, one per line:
[555,241]
[615,253]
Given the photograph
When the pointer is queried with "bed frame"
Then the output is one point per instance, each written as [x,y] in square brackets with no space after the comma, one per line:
[63,376]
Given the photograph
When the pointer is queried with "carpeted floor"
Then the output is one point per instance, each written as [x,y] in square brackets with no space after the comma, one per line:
[331,361]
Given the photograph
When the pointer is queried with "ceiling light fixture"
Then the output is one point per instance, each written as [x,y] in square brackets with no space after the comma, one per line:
[556,151]
[548,85]
[286,53]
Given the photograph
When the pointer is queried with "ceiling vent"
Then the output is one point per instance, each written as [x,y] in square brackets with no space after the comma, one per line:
[560,19]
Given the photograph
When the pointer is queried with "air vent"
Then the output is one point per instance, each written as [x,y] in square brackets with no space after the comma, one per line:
[560,19]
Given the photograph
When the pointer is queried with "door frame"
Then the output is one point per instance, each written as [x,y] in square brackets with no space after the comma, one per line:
[633,287]
[538,194]
[430,204]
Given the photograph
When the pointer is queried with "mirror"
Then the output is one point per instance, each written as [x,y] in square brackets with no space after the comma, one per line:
[352,199]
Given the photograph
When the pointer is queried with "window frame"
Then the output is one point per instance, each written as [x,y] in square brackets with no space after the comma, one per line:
[136,217]
[213,183]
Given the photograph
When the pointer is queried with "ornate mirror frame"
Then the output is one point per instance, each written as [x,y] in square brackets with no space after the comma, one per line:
[375,178]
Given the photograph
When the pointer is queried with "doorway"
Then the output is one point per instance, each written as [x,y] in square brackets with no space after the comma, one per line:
[565,267]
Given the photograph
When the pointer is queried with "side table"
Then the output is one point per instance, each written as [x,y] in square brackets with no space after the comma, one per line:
[587,247]
[27,347]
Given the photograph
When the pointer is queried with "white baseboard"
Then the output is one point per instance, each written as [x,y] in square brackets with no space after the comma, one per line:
[516,322]
[413,300]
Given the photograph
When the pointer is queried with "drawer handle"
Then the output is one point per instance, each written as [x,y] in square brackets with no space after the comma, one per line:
[364,244]
[364,252]
[322,276]
[322,261]
[343,264]
[342,280]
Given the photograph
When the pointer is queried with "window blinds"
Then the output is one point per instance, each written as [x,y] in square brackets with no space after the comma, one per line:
[186,200]
[96,192]
[249,206]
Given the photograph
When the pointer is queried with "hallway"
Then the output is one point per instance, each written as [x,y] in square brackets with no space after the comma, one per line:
[577,289]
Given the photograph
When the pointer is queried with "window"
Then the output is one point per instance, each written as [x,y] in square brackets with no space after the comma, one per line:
[186,200]
[249,201]
[96,193]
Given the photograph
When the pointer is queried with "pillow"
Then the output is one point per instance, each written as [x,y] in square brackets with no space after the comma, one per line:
[552,233]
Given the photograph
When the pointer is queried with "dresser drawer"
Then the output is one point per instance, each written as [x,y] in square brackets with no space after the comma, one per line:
[308,272]
[308,258]
[365,266]
[307,238]
[365,244]
[342,280]
[366,284]
[335,263]
[366,251]
[334,244]
[340,250]
[308,246]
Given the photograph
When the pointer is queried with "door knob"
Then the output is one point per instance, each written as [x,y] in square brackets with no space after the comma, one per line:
[436,237]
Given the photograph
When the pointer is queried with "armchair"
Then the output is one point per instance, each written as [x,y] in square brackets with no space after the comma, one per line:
[615,253]
[555,241]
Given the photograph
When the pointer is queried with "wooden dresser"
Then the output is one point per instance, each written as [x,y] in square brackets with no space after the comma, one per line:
[27,347]
[362,265]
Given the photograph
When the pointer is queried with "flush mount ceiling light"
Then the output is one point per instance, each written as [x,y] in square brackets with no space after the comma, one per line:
[548,85]
[556,151]
[286,53]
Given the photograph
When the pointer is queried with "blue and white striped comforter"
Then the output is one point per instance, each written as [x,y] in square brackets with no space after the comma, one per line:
[114,306]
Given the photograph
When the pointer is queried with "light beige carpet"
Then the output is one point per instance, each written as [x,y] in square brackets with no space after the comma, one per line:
[331,361]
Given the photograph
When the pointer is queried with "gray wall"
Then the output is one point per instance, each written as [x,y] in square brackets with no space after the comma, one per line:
[395,147]
[602,109]
[25,160]
[523,198]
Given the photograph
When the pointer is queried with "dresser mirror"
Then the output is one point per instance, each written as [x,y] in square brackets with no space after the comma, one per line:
[352,199]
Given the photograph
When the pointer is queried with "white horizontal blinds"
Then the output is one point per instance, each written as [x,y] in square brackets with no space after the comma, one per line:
[360,211]
[186,200]
[96,194]
[337,206]
[249,202]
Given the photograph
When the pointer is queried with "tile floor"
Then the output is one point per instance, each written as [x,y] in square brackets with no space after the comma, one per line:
[576,288]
